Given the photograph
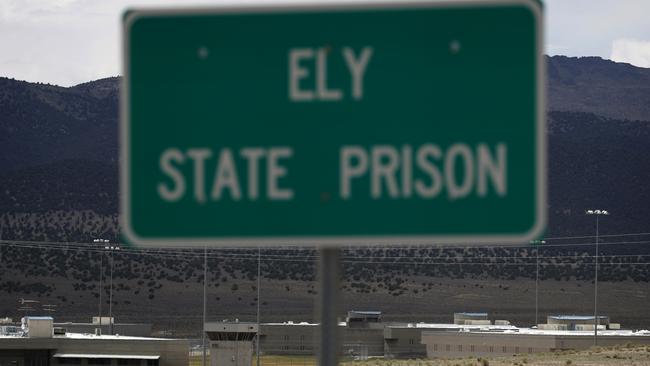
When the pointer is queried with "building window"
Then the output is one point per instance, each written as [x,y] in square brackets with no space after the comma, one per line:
[460,348]
[448,347]
[530,349]
[435,347]
[503,349]
[471,348]
[302,347]
[411,341]
[99,361]
[491,349]
[69,361]
[285,337]
[128,362]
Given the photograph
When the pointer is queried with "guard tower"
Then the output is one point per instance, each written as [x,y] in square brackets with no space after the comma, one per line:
[231,343]
[362,319]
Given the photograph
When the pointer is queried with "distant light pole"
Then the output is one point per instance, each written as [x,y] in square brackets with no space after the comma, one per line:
[205,296]
[597,213]
[257,340]
[2,229]
[101,275]
[112,248]
[537,244]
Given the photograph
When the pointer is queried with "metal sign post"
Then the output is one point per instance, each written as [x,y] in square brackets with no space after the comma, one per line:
[329,273]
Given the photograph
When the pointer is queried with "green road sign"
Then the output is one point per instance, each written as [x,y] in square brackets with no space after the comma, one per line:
[367,123]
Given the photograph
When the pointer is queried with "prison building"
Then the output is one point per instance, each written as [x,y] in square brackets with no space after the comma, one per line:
[576,322]
[104,327]
[37,342]
[231,343]
[363,334]
[403,341]
[445,344]
[362,319]
[288,338]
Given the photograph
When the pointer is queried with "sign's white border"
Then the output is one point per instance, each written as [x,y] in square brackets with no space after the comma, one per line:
[334,241]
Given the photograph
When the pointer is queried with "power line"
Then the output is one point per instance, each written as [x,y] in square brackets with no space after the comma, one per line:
[465,260]
[82,245]
[193,252]
[385,247]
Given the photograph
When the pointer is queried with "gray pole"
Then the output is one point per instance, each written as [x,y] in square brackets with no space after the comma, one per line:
[101,275]
[596,290]
[537,286]
[110,299]
[205,291]
[329,273]
[259,271]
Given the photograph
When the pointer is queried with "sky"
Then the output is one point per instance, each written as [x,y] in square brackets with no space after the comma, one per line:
[67,42]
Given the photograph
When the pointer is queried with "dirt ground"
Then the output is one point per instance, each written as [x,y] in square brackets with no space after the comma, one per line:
[629,355]
[610,356]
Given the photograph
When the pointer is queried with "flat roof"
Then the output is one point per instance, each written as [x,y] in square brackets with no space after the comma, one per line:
[97,324]
[92,336]
[613,332]
[108,336]
[472,314]
[364,312]
[292,323]
[453,326]
[576,317]
[543,332]
[95,355]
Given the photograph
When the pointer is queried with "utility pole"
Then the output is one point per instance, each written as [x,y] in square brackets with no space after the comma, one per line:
[2,229]
[101,276]
[257,339]
[537,244]
[597,213]
[110,293]
[537,286]
[205,291]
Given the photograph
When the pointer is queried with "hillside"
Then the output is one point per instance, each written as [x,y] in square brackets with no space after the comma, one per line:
[60,144]
[602,87]
[42,124]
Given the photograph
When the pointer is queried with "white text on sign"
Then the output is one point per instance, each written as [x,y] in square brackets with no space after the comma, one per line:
[303,61]
[378,172]
[226,178]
